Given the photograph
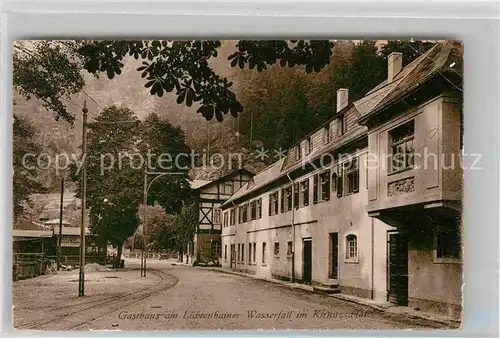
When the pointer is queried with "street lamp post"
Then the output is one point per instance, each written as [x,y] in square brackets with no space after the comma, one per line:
[145,205]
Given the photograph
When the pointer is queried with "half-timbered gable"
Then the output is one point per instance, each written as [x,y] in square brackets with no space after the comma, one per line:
[211,195]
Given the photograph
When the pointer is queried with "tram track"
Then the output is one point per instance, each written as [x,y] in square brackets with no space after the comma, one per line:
[75,316]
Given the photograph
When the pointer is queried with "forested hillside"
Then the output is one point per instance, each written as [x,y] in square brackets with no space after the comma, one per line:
[281,104]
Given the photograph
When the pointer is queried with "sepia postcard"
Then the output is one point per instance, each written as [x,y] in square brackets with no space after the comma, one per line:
[237,184]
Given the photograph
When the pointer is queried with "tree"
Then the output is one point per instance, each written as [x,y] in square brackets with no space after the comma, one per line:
[410,49]
[284,105]
[114,188]
[26,168]
[185,66]
[49,71]
[118,149]
[166,150]
[185,225]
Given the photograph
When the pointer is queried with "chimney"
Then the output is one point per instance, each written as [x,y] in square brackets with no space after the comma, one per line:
[342,98]
[394,65]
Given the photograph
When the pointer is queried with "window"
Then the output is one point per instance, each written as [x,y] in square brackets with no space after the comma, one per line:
[232,217]
[334,181]
[249,252]
[259,208]
[244,209]
[348,178]
[325,185]
[296,195]
[228,188]
[240,214]
[304,193]
[297,153]
[238,257]
[326,134]
[273,203]
[215,249]
[286,199]
[289,248]
[225,252]
[351,252]
[226,219]
[447,245]
[342,125]
[216,216]
[277,249]
[254,252]
[253,210]
[402,150]
[264,253]
[242,253]
[351,170]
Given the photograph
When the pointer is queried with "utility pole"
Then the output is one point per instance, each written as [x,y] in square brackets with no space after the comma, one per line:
[81,278]
[144,224]
[60,226]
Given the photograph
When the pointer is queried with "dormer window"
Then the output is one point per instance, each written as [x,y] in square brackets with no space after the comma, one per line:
[307,146]
[297,153]
[342,124]
[326,134]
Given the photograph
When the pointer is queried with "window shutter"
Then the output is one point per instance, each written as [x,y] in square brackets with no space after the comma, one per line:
[356,181]
[296,195]
[327,185]
[315,189]
[356,176]
[270,204]
[339,181]
[306,194]
[282,200]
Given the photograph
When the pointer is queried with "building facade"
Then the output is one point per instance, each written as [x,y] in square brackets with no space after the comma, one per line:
[210,196]
[353,208]
[416,183]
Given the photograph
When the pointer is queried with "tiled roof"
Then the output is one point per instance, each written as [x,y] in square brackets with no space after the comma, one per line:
[220,179]
[266,176]
[30,225]
[196,184]
[55,221]
[70,231]
[277,169]
[31,233]
[437,59]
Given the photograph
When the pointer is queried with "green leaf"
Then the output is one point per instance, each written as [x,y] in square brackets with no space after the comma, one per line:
[110,73]
[181,96]
[218,115]
[189,97]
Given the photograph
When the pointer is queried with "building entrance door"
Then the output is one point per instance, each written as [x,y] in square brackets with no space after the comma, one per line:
[232,261]
[307,259]
[398,268]
[334,256]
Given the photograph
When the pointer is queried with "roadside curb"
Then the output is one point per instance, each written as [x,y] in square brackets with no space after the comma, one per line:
[355,300]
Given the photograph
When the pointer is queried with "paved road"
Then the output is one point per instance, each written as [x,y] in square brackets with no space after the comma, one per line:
[209,300]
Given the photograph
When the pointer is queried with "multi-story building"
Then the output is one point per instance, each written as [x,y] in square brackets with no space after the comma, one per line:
[414,122]
[210,196]
[332,213]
